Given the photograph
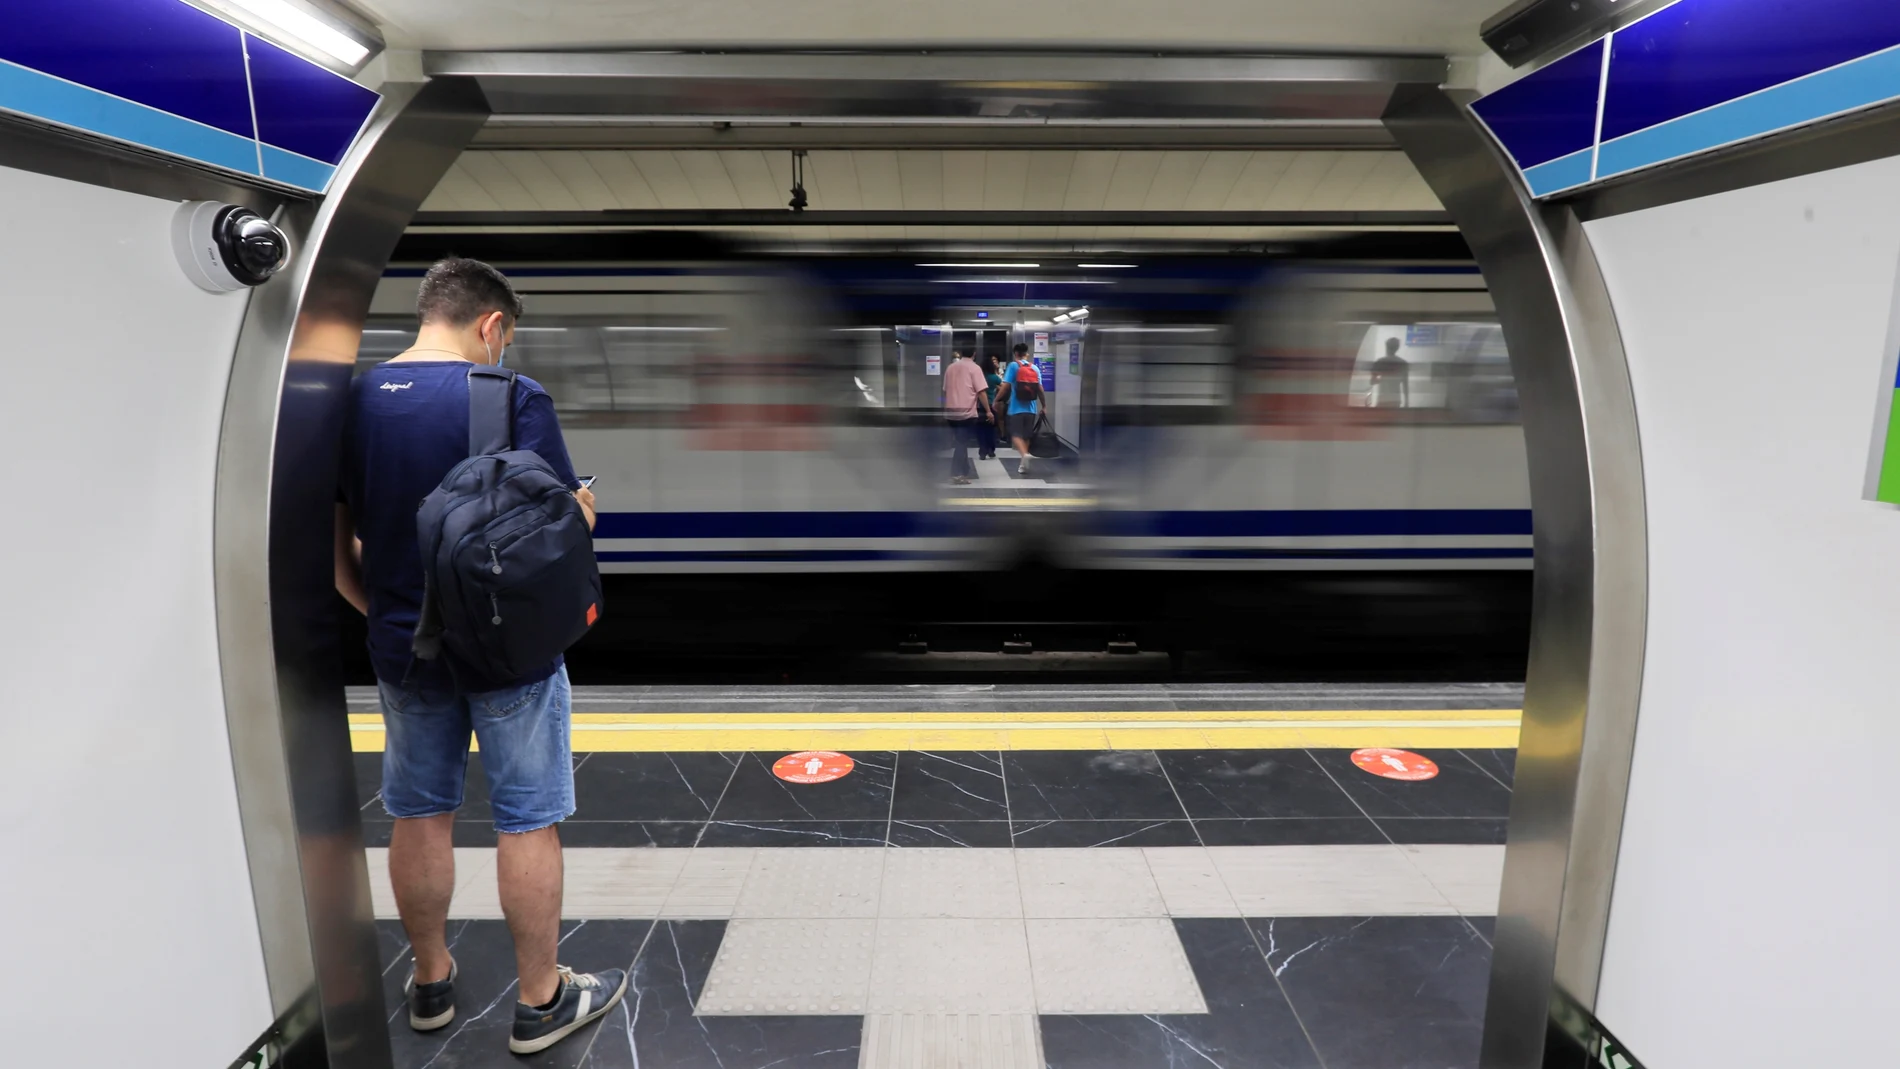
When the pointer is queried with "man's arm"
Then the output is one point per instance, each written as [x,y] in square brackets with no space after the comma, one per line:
[349,561]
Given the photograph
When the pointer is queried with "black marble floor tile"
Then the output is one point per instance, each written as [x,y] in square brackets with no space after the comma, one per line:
[963,785]
[485,994]
[1248,1022]
[1089,785]
[1502,764]
[1460,789]
[755,794]
[1488,831]
[1487,927]
[794,833]
[1029,834]
[651,786]
[1290,831]
[1254,783]
[630,832]
[978,833]
[1383,992]
[656,1026]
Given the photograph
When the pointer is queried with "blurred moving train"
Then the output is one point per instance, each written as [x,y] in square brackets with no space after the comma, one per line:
[769,448]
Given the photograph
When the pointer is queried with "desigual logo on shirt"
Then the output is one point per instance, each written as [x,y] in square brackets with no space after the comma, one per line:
[392,387]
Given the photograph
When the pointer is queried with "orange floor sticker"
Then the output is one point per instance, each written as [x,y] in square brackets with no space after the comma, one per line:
[816,766]
[1395,764]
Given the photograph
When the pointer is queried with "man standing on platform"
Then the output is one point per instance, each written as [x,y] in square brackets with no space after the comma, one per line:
[408,424]
[965,400]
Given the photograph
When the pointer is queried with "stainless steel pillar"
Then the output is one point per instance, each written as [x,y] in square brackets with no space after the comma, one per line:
[1587,630]
[273,531]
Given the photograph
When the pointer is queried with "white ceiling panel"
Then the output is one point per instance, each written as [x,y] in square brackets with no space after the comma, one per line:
[932,180]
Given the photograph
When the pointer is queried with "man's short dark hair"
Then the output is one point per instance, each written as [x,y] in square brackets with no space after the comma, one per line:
[458,291]
[1020,349]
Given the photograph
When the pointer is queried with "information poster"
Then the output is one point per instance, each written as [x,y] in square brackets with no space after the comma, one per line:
[1046,367]
[1041,343]
[1075,358]
[933,365]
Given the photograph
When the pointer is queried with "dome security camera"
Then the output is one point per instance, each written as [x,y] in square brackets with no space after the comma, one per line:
[225,247]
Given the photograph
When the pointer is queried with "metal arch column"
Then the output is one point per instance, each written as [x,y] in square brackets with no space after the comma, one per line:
[1591,579]
[274,569]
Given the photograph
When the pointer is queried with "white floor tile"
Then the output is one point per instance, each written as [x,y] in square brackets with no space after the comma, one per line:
[951,1041]
[609,884]
[475,893]
[950,966]
[951,882]
[1111,966]
[1326,881]
[709,884]
[1469,876]
[812,882]
[1087,883]
[779,967]
[1190,885]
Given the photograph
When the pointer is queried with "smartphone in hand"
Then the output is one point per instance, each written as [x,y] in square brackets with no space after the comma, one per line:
[587,481]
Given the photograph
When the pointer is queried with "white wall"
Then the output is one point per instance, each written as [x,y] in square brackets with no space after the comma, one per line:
[121,857]
[1752,918]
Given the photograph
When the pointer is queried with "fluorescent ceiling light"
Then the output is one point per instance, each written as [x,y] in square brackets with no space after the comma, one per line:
[1106,267]
[980,267]
[299,29]
[1022,281]
[1159,330]
[1079,313]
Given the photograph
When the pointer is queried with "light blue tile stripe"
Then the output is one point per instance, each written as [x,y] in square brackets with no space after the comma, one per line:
[1857,84]
[1559,174]
[43,96]
[293,169]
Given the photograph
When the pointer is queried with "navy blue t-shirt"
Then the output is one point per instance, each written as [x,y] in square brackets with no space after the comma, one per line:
[408,425]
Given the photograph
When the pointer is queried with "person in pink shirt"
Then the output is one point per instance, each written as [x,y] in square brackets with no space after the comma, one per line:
[965,400]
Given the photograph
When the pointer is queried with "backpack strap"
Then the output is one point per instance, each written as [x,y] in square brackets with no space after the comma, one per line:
[491,410]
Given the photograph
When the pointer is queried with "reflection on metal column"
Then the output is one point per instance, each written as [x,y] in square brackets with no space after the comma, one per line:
[277,630]
[1588,613]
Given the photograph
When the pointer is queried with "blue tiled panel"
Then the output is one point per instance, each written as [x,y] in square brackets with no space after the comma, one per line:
[1863,82]
[54,100]
[292,169]
[1561,173]
[162,53]
[305,108]
[1550,113]
[1700,53]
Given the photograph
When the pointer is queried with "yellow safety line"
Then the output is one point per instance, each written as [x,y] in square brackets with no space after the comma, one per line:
[1154,730]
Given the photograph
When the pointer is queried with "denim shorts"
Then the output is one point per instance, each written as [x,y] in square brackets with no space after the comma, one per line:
[523,733]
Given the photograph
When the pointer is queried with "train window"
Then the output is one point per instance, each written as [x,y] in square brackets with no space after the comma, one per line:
[1433,372]
[1165,366]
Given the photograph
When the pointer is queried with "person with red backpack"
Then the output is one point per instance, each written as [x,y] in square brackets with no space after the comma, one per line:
[1021,399]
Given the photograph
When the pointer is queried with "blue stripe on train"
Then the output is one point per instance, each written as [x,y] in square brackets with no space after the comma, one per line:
[1274,523]
[1447,553]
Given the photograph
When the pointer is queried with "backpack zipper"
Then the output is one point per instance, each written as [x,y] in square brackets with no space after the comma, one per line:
[496,606]
[494,561]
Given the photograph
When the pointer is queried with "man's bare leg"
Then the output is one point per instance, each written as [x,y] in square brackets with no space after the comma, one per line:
[529,870]
[422,872]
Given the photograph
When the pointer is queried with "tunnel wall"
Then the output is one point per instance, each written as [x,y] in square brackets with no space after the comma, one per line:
[123,852]
[1759,855]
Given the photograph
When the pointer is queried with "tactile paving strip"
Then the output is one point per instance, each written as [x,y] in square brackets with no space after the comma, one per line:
[951,883]
[951,966]
[1088,883]
[951,1041]
[813,882]
[1111,966]
[780,967]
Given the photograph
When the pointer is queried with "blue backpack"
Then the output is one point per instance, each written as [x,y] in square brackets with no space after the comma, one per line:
[507,559]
